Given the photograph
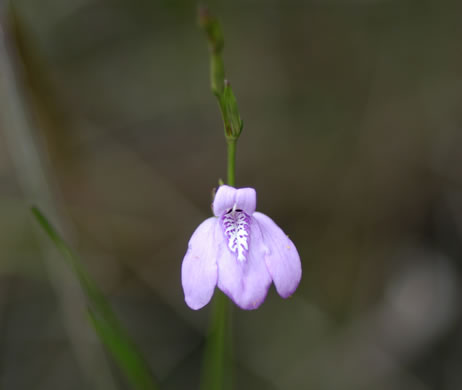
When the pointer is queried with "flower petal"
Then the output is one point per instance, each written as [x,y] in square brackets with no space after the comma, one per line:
[224,200]
[245,282]
[281,256]
[246,199]
[199,268]
[227,196]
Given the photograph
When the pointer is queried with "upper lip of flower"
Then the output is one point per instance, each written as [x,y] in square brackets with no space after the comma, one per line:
[241,251]
[228,197]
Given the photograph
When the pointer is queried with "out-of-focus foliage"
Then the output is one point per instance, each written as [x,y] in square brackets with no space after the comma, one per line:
[352,140]
[102,317]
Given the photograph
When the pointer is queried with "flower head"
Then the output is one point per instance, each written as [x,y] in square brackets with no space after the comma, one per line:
[240,251]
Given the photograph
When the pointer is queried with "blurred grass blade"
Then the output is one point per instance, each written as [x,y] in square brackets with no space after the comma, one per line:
[124,352]
[95,298]
[103,319]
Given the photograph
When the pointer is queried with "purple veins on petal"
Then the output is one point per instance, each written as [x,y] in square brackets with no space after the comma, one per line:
[241,252]
[245,282]
[236,230]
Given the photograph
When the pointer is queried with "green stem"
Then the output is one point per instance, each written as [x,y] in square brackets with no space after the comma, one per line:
[217,367]
[232,162]
[217,361]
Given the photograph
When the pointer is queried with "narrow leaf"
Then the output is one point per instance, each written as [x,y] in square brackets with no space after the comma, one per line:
[124,352]
[102,317]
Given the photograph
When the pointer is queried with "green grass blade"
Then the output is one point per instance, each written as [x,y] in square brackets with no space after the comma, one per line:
[102,317]
[124,353]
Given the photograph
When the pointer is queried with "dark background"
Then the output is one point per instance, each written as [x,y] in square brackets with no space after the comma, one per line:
[352,140]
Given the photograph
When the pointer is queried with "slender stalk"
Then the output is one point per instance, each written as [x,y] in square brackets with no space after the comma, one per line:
[217,374]
[232,162]
[217,371]
[217,368]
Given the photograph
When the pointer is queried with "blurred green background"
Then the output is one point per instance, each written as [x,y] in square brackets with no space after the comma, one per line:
[352,139]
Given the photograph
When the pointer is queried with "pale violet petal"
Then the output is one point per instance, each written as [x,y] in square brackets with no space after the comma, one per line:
[245,282]
[224,200]
[246,199]
[281,256]
[227,197]
[199,268]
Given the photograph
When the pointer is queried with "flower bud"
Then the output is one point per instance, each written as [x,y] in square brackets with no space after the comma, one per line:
[231,118]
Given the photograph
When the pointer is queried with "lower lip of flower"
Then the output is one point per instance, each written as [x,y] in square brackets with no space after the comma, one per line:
[236,227]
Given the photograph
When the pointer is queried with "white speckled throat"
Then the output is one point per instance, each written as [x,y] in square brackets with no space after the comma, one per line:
[236,226]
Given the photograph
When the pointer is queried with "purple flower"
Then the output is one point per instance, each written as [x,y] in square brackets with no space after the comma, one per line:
[240,251]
